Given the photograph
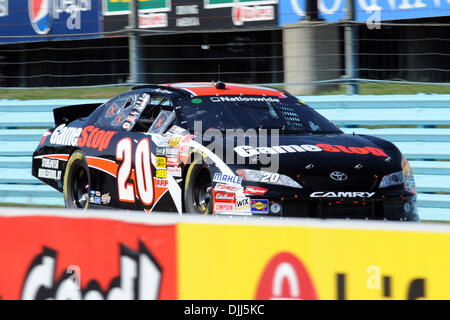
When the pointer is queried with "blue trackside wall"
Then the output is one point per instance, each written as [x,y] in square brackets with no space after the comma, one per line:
[418,124]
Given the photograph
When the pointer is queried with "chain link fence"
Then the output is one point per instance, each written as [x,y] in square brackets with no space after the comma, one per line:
[390,52]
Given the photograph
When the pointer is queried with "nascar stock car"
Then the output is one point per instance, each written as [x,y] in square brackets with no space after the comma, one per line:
[141,150]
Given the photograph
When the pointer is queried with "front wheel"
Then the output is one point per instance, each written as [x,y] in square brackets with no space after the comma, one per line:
[198,189]
[76,182]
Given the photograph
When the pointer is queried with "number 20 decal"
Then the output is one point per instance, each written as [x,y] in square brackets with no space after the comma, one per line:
[270,177]
[143,170]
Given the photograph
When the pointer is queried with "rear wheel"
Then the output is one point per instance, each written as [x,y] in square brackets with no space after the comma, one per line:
[198,189]
[77,182]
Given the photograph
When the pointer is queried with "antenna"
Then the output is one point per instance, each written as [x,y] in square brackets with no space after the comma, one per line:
[218,67]
[219,84]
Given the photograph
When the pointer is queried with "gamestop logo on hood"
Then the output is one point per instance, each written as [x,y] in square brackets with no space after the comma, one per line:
[241,14]
[139,279]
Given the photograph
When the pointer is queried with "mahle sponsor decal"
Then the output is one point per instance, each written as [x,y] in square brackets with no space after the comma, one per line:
[226,178]
[341,194]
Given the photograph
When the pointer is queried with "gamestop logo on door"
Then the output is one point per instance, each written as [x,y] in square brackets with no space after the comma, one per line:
[139,279]
[285,278]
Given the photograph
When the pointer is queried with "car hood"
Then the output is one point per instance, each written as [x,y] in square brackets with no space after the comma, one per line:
[311,159]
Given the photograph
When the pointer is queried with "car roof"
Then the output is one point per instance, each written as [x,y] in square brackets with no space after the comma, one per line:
[210,89]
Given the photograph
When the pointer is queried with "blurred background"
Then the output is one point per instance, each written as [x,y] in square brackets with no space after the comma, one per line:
[304,46]
[378,67]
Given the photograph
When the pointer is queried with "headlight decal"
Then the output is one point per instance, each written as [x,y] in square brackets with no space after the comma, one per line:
[267,177]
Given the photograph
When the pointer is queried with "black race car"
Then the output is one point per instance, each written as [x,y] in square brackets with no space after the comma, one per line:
[213,148]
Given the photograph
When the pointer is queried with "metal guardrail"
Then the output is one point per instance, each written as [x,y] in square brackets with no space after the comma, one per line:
[412,121]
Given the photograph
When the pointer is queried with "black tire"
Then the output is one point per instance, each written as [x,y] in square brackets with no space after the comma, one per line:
[77,182]
[198,197]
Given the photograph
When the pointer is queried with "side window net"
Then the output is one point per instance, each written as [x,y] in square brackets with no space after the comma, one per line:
[156,117]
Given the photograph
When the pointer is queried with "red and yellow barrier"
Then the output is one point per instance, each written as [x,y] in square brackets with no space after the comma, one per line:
[248,262]
[147,257]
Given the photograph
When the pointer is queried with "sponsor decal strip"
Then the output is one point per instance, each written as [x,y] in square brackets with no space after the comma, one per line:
[173,187]
[63,157]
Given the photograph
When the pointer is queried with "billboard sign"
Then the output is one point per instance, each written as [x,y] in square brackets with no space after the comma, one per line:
[32,20]
[85,258]
[114,7]
[291,11]
[193,15]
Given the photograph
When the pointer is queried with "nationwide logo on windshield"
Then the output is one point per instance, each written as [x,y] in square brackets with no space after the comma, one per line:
[244,99]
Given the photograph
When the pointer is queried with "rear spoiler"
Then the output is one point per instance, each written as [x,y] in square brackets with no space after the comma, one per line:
[69,113]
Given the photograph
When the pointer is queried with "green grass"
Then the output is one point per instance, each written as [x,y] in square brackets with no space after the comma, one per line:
[109,92]
[76,93]
[391,88]
[21,205]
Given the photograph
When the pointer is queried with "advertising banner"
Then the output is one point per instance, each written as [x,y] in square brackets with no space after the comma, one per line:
[366,11]
[54,257]
[192,15]
[32,19]
[299,262]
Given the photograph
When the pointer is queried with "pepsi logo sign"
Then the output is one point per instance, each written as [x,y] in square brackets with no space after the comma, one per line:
[40,15]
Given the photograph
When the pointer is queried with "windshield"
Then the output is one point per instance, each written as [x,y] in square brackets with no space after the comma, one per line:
[289,115]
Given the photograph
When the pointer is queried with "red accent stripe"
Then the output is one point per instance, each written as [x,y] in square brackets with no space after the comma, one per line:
[103,164]
[57,156]
[207,89]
